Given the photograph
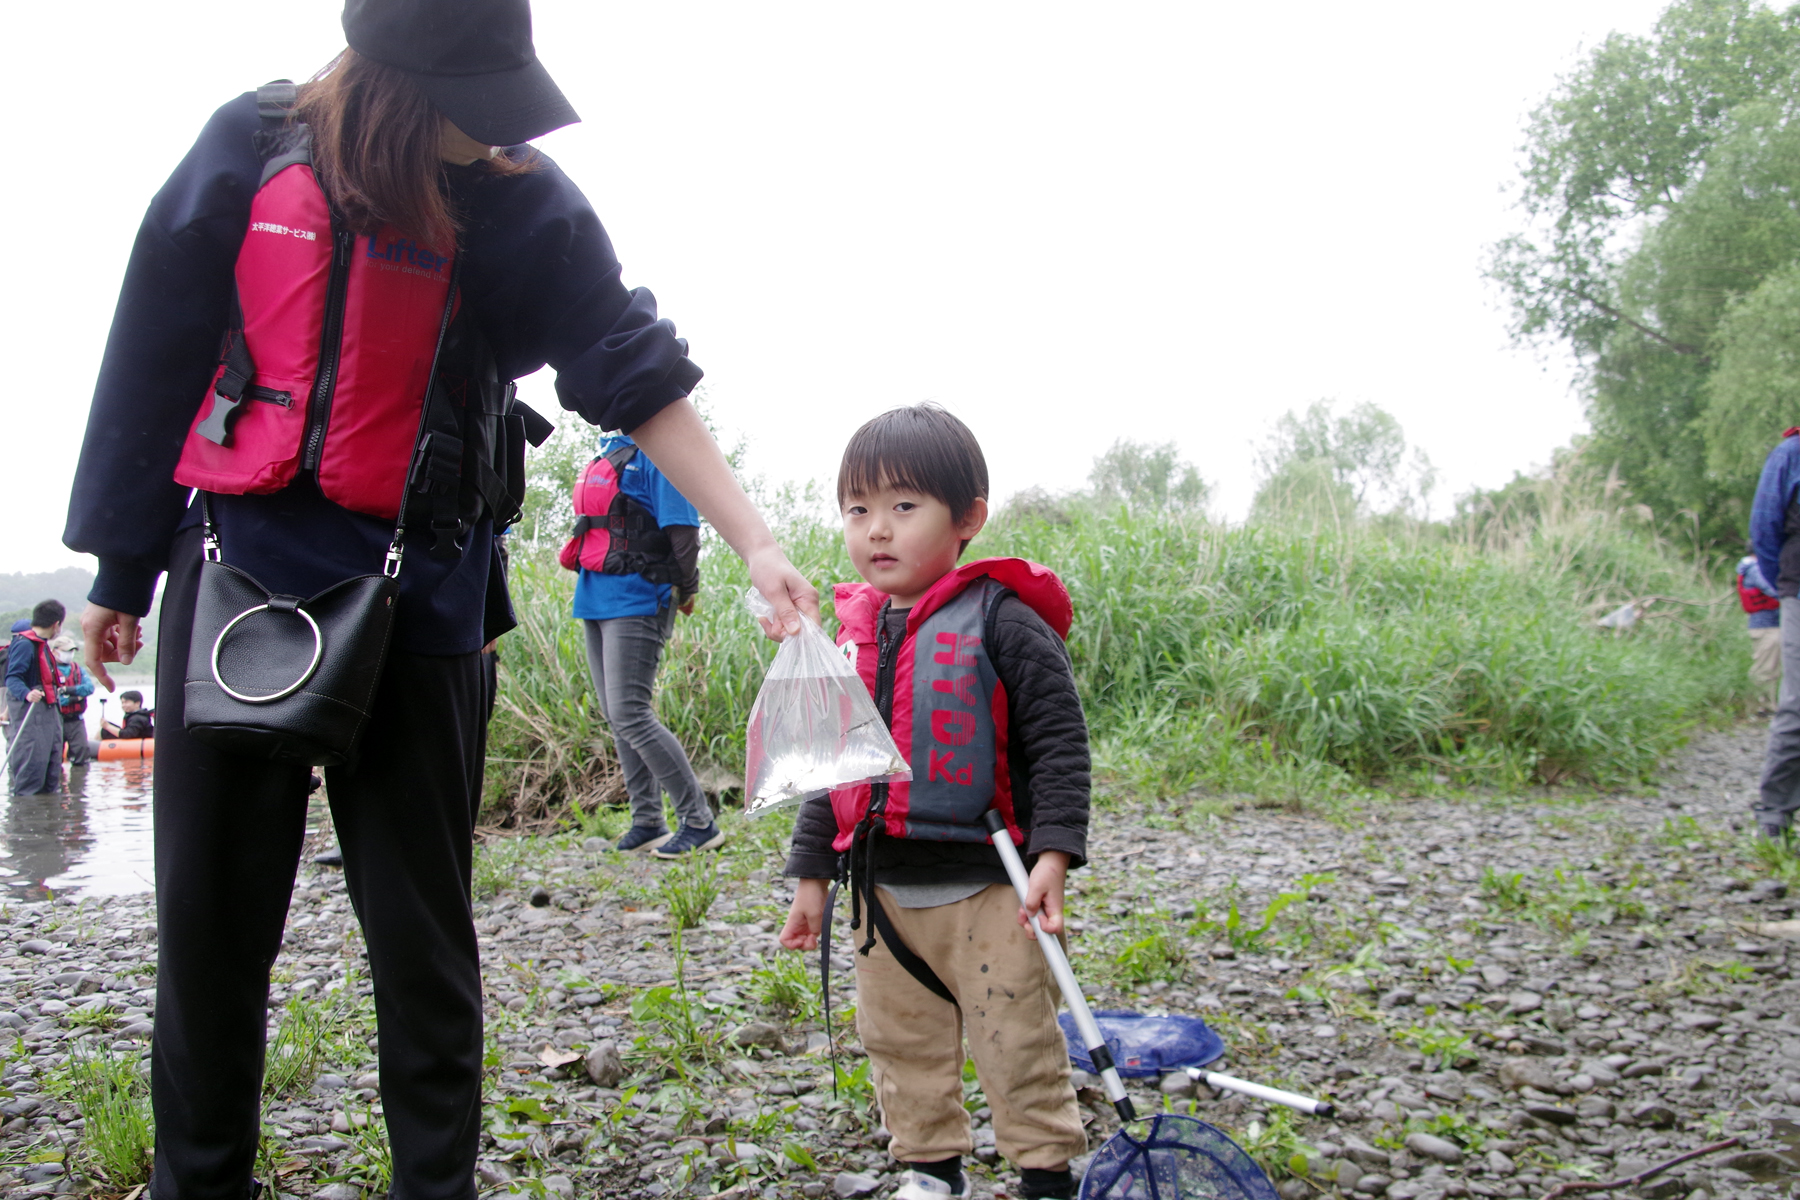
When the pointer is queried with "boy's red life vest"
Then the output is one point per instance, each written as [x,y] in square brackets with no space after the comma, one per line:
[614,534]
[950,708]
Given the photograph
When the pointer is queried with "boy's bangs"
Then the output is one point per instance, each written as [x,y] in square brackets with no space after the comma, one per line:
[866,476]
[922,449]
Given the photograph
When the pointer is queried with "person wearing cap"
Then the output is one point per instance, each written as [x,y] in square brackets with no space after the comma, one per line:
[420,125]
[73,687]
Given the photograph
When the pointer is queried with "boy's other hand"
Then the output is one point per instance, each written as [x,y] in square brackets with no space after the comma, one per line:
[785,588]
[1044,895]
[806,915]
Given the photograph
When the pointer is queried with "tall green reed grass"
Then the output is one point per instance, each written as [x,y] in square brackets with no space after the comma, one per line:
[1275,659]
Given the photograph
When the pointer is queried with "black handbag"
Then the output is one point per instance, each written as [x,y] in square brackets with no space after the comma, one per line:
[288,679]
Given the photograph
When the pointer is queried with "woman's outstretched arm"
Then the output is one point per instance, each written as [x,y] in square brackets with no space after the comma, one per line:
[682,448]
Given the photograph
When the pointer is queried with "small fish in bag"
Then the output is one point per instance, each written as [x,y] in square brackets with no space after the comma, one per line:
[814,725]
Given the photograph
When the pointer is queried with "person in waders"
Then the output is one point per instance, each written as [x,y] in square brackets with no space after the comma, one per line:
[272,351]
[35,754]
[73,687]
[967,666]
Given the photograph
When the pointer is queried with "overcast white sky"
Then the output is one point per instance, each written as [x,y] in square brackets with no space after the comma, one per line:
[1068,223]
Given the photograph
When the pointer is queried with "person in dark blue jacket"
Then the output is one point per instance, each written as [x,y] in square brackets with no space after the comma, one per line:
[420,126]
[35,755]
[1775,543]
[1762,612]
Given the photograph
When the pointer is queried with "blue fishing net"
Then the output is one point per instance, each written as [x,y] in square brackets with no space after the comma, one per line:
[1176,1158]
[1145,1046]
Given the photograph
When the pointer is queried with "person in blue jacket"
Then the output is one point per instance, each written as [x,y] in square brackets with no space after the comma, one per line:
[627,618]
[1775,544]
[1762,612]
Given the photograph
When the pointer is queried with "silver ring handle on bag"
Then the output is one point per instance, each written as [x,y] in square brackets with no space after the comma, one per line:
[290,689]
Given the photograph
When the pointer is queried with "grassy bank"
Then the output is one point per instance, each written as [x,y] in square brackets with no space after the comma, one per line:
[1275,660]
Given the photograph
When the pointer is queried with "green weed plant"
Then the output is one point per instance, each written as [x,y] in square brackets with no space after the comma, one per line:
[114,1101]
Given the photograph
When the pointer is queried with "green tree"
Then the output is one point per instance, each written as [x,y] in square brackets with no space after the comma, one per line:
[1142,475]
[1325,466]
[1658,189]
[1755,389]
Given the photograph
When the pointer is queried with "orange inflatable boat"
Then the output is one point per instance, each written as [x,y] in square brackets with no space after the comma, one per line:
[128,750]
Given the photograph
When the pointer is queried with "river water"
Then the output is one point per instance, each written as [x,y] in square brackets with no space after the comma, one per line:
[94,839]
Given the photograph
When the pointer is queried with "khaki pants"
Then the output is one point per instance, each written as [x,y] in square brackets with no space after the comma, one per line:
[1765,661]
[1008,1010]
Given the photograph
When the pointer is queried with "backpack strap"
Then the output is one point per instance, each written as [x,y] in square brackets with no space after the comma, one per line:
[275,100]
[282,141]
[279,144]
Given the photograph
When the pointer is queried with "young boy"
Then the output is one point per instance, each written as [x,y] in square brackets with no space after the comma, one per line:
[968,668]
[138,722]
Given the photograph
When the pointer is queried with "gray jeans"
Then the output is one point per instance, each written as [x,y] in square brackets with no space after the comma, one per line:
[1780,794]
[622,655]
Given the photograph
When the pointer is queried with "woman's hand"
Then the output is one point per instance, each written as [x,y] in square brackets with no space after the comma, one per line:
[1044,894]
[108,635]
[785,588]
[806,915]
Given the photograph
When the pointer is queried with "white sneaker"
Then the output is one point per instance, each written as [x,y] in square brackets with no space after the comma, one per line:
[917,1185]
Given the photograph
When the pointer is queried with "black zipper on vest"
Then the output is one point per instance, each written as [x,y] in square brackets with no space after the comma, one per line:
[330,347]
[886,659]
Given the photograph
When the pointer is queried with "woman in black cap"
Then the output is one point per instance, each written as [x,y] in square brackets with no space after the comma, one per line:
[292,287]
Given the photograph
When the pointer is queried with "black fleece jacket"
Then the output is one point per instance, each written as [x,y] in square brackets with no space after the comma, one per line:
[1047,756]
[538,274]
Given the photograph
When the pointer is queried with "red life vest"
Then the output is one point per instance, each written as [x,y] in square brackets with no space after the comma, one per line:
[69,675]
[950,710]
[46,664]
[1754,599]
[328,360]
[614,534]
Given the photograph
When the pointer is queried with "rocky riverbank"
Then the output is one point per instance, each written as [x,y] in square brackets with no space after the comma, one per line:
[1501,993]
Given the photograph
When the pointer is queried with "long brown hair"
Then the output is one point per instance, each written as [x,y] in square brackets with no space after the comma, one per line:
[375,146]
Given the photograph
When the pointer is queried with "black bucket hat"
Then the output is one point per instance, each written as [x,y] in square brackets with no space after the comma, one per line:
[472,58]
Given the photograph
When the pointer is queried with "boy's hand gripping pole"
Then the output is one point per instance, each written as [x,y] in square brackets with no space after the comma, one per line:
[1065,977]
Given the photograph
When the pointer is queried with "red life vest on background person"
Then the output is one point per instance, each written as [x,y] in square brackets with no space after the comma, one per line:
[949,707]
[1754,599]
[46,663]
[328,360]
[70,676]
[614,534]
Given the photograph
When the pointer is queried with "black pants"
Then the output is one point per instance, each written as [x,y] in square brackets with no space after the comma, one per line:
[228,836]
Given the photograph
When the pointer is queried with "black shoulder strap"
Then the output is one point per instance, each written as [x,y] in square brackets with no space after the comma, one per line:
[903,954]
[276,99]
[281,142]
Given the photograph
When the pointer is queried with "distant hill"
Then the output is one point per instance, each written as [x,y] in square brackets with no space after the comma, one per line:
[20,590]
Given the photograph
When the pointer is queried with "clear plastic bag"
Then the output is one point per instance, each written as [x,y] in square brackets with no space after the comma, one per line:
[814,726]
